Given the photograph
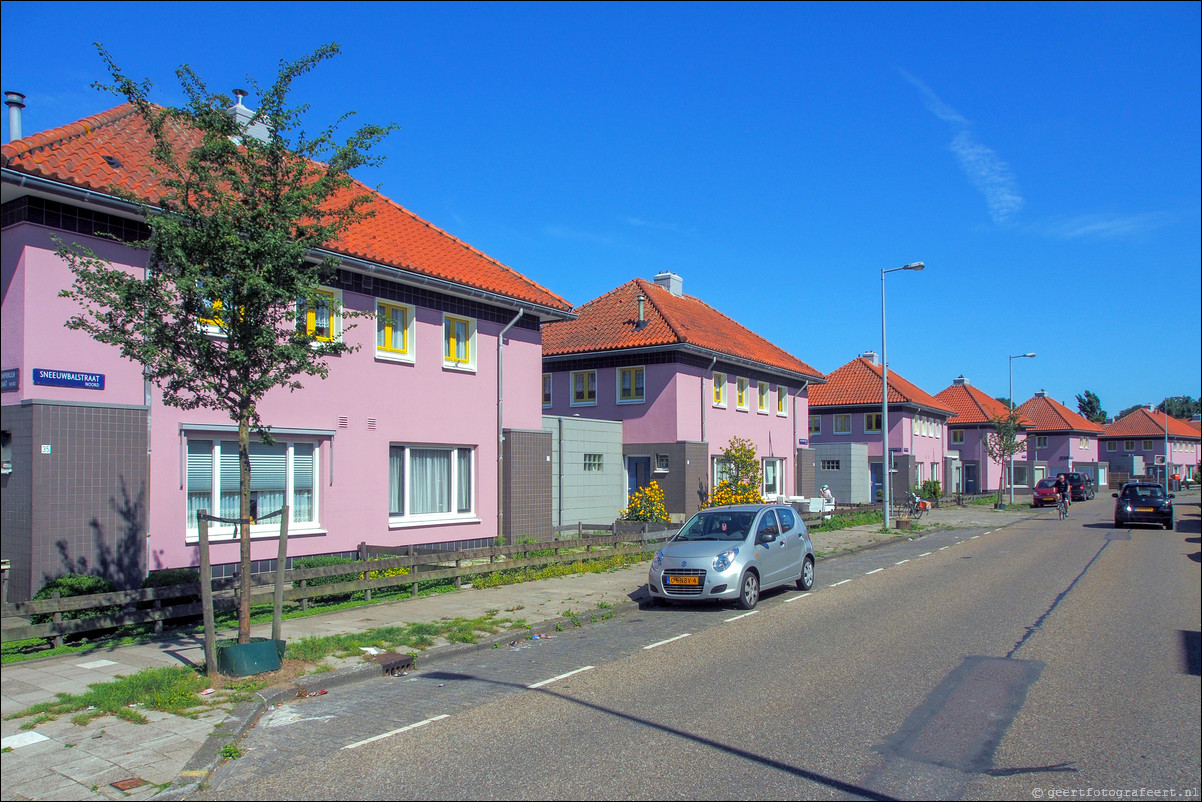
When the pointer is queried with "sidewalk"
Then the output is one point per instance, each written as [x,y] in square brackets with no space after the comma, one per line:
[61,760]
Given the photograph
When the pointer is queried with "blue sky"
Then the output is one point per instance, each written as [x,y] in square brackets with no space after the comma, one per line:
[1041,159]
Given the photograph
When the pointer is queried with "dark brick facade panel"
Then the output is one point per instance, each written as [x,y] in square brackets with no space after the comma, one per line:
[527,485]
[16,508]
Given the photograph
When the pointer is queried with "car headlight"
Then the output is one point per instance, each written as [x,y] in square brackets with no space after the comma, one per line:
[723,560]
[658,561]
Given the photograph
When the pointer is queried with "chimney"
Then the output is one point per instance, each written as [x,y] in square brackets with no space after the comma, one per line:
[871,357]
[642,321]
[961,381]
[243,115]
[1041,394]
[670,282]
[15,102]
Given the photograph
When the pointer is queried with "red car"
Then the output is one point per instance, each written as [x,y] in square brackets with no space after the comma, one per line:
[1043,493]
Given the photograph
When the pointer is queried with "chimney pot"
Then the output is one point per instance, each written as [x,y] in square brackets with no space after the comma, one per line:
[15,102]
[871,356]
[670,282]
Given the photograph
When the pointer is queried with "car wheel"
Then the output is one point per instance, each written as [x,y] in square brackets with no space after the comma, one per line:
[1171,525]
[749,591]
[806,580]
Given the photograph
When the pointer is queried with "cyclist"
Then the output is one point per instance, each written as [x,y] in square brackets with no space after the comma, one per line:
[1064,490]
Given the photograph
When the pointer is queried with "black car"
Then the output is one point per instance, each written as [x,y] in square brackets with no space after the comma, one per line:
[1143,503]
[1081,485]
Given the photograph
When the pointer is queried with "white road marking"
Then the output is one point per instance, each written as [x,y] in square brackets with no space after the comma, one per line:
[974,537]
[877,571]
[557,679]
[795,598]
[744,615]
[903,562]
[837,584]
[941,548]
[924,554]
[396,732]
[669,640]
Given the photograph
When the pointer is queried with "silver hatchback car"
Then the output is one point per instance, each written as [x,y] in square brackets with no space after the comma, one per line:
[733,553]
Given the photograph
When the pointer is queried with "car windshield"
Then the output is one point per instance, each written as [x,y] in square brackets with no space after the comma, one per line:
[718,525]
[1046,483]
[1144,491]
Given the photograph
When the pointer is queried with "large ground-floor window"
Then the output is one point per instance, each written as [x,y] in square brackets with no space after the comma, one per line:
[430,483]
[282,473]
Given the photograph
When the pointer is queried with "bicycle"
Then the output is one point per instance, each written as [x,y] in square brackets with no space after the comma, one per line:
[1062,505]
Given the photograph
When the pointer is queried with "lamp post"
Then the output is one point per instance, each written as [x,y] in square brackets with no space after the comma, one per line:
[1166,445]
[886,477]
[1010,475]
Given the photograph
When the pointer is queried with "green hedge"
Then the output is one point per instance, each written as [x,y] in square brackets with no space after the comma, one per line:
[321,562]
[75,585]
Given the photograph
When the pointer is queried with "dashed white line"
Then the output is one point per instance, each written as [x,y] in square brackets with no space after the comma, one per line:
[903,562]
[925,554]
[744,615]
[877,571]
[396,732]
[974,537]
[795,598]
[941,548]
[669,640]
[558,678]
[837,584]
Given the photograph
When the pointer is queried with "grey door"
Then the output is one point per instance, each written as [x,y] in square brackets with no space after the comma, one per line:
[638,473]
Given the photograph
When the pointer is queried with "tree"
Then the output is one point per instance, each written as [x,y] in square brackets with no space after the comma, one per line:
[743,480]
[1182,407]
[1090,407]
[1005,401]
[228,307]
[1003,443]
[1128,411]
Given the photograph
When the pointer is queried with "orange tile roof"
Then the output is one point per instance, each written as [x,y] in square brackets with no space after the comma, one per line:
[1047,415]
[74,154]
[609,323]
[859,382]
[973,405]
[1143,422]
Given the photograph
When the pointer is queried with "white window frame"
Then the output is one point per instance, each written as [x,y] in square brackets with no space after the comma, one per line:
[548,387]
[449,361]
[720,382]
[761,397]
[572,388]
[335,316]
[662,463]
[845,418]
[742,390]
[719,470]
[782,401]
[453,515]
[779,465]
[271,528]
[635,371]
[594,465]
[407,355]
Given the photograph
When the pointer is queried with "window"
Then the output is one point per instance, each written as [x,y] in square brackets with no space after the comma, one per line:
[830,464]
[282,473]
[1128,445]
[815,424]
[772,477]
[584,388]
[546,389]
[6,452]
[761,397]
[720,389]
[782,401]
[630,385]
[458,342]
[872,421]
[1083,443]
[1112,445]
[1041,441]
[918,471]
[843,424]
[394,331]
[741,386]
[1148,445]
[916,426]
[430,483]
[935,471]
[320,318]
[957,436]
[661,463]
[720,470]
[1020,475]
[593,463]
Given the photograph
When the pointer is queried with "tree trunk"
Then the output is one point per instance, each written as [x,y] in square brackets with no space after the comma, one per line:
[244,527]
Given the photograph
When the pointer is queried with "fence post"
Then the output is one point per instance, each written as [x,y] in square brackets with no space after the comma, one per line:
[363,552]
[158,622]
[58,619]
[206,594]
[413,587]
[458,565]
[277,599]
[580,529]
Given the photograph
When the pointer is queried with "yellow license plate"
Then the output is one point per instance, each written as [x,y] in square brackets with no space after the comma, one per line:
[684,580]
[1143,509]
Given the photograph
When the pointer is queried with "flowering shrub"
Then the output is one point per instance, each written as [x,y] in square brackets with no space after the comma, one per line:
[743,476]
[647,504]
[728,492]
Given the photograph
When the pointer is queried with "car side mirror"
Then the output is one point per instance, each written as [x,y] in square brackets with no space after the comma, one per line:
[765,537]
[1114,495]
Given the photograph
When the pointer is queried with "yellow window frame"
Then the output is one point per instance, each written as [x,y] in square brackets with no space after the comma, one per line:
[311,319]
[634,393]
[456,332]
[386,312]
[741,386]
[719,389]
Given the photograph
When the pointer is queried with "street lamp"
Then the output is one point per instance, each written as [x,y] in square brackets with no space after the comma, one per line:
[1010,477]
[886,478]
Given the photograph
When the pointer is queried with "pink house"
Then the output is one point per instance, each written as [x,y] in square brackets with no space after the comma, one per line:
[419,437]
[967,433]
[684,379]
[847,409]
[1059,439]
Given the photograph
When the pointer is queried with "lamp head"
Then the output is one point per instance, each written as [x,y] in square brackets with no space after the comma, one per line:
[914,266]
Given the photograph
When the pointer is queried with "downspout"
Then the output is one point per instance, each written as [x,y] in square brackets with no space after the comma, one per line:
[559,467]
[710,371]
[500,434]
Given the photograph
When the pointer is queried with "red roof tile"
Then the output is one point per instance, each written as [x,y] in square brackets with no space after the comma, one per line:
[1047,415]
[610,323]
[1143,422]
[395,237]
[973,405]
[859,382]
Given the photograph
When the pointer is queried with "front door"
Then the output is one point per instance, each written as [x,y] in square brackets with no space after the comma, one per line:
[638,474]
[970,479]
[874,478]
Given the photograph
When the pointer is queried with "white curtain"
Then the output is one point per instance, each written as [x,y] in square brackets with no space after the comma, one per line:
[430,483]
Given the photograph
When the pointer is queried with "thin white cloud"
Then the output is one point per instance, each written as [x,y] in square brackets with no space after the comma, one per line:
[1107,226]
[992,177]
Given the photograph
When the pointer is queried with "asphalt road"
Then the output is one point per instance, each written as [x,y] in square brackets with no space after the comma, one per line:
[1036,661]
